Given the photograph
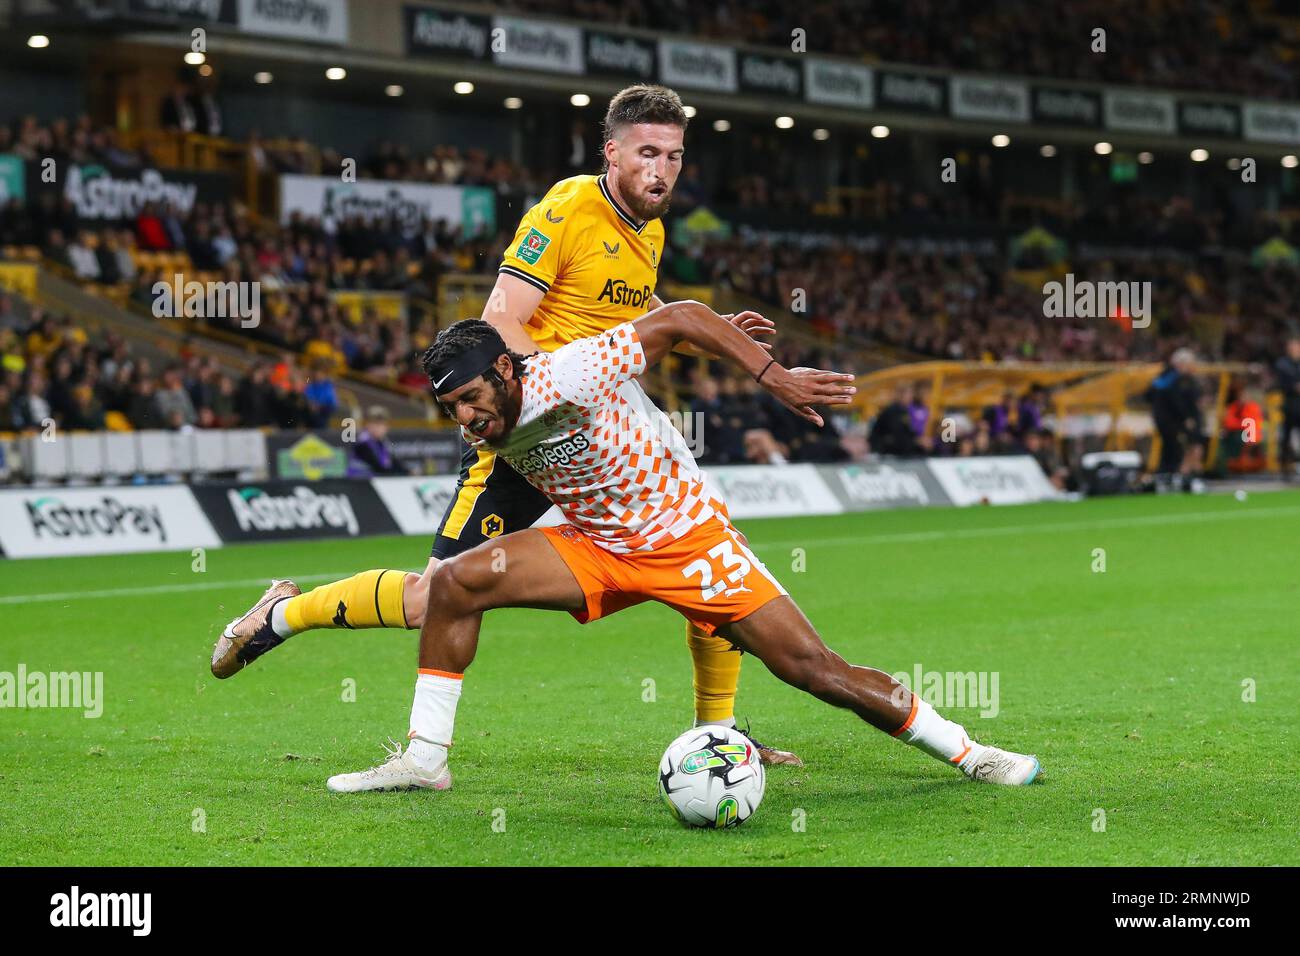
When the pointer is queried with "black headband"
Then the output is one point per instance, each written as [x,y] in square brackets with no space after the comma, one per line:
[467,366]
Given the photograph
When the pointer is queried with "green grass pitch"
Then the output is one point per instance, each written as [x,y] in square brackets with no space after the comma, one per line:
[1128,684]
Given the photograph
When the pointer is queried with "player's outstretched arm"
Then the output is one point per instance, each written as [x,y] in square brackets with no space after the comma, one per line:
[695,323]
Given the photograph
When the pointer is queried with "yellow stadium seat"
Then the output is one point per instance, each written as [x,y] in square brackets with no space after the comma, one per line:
[116,422]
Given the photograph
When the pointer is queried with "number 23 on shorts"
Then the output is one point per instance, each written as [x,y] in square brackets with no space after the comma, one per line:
[723,571]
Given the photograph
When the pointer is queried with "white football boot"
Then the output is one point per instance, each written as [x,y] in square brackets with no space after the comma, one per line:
[993,765]
[398,772]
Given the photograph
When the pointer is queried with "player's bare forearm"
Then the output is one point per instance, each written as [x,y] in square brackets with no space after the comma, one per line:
[510,305]
[682,348]
[751,323]
[695,323]
[513,334]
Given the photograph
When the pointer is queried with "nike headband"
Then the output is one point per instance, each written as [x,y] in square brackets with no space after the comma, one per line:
[467,366]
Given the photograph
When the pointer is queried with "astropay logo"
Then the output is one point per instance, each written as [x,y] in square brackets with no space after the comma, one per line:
[76,909]
[883,485]
[110,517]
[303,510]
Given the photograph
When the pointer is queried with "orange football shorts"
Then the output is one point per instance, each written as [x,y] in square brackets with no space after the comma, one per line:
[709,575]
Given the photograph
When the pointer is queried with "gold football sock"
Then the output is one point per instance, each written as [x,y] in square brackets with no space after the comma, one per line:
[368,599]
[717,674]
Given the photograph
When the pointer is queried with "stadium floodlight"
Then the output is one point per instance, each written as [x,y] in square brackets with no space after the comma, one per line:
[335,73]
[1200,155]
[513,103]
[1103,149]
[194,57]
[580,99]
[721,125]
[394,89]
[464,87]
[262,77]
[689,111]
[1001,139]
[821,133]
[880,132]
[784,122]
[1290,161]
[1047,151]
[38,41]
[1145,158]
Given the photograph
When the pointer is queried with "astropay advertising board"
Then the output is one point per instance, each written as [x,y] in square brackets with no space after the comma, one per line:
[419,504]
[772,491]
[410,205]
[1013,479]
[49,522]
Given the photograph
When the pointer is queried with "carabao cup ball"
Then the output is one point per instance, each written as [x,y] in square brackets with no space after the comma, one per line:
[711,777]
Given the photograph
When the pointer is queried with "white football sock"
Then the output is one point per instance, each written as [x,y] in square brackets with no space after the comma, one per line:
[433,714]
[942,739]
[728,722]
[279,623]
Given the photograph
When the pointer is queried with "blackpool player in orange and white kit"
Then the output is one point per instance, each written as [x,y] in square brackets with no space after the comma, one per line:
[641,526]
[584,259]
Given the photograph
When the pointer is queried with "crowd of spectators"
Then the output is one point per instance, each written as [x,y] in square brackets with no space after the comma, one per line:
[924,300]
[733,420]
[1223,46]
[296,265]
[447,165]
[1014,425]
[443,164]
[975,306]
[53,371]
[80,141]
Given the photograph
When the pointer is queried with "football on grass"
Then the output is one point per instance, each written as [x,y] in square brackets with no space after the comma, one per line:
[712,777]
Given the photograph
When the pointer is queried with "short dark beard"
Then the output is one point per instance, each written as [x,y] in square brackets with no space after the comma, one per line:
[509,402]
[643,214]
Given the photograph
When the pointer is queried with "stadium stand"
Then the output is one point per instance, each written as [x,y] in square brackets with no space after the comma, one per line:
[1253,52]
[864,267]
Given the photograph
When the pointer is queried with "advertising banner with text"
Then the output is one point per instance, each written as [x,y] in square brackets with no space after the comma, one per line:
[60,522]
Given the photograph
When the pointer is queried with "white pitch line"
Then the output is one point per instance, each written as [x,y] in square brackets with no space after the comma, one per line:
[905,537]
[161,589]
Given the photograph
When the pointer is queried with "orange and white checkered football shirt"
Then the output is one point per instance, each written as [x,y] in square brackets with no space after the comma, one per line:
[586,439]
